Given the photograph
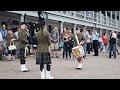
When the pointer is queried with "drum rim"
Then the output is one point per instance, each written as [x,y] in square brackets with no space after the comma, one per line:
[77,47]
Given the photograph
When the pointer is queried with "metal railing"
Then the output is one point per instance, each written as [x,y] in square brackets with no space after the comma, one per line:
[94,17]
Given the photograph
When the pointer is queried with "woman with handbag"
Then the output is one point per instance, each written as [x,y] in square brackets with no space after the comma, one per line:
[10,38]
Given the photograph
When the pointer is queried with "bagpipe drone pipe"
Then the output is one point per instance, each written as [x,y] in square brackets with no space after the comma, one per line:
[31,27]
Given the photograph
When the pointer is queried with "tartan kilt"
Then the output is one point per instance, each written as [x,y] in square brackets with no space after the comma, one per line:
[21,53]
[43,58]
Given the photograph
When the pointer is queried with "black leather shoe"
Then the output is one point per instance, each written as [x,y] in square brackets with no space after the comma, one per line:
[52,57]
[84,57]
[28,70]
[24,71]
[78,68]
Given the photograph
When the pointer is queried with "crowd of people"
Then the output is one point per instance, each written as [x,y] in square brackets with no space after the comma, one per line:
[46,45]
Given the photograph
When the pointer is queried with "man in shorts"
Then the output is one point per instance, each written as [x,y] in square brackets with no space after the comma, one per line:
[54,42]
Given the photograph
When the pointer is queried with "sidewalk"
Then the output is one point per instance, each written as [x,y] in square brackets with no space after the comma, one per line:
[94,67]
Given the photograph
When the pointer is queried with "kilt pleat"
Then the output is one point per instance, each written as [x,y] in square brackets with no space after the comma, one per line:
[43,58]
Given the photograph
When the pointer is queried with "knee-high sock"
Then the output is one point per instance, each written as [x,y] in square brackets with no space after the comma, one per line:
[48,67]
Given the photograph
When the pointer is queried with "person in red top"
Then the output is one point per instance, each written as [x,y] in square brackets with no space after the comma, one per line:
[105,43]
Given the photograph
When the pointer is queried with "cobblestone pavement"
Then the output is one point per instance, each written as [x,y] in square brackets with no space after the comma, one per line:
[94,67]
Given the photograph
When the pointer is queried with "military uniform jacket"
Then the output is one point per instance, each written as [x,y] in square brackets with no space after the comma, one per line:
[22,39]
[80,38]
[43,41]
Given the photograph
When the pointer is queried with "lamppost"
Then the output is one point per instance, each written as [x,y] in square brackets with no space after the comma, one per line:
[46,20]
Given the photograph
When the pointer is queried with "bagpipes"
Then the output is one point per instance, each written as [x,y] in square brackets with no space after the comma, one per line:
[31,27]
[30,30]
[41,20]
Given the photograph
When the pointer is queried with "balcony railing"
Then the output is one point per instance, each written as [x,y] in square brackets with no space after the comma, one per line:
[93,17]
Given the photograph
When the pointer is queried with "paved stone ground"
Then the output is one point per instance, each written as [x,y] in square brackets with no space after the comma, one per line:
[94,67]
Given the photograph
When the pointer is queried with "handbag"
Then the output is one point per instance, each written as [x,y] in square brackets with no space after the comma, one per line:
[12,47]
[61,44]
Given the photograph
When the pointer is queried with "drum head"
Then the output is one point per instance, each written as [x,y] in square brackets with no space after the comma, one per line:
[77,47]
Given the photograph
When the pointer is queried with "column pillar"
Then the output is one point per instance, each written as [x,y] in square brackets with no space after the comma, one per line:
[93,28]
[61,26]
[61,30]
[100,17]
[100,31]
[74,29]
[85,15]
[106,17]
[115,18]
[111,17]
[115,15]
[75,13]
[119,15]
[21,18]
[93,15]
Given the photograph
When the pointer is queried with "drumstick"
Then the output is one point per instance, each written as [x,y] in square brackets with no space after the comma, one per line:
[76,37]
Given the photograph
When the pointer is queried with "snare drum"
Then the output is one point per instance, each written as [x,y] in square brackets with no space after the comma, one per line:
[78,51]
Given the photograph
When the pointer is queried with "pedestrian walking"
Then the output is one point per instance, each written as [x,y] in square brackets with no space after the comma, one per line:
[95,38]
[112,45]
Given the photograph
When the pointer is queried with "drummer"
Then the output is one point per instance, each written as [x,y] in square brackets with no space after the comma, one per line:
[80,38]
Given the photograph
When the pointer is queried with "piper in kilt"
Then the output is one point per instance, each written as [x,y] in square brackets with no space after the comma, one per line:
[43,51]
[22,42]
[80,38]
